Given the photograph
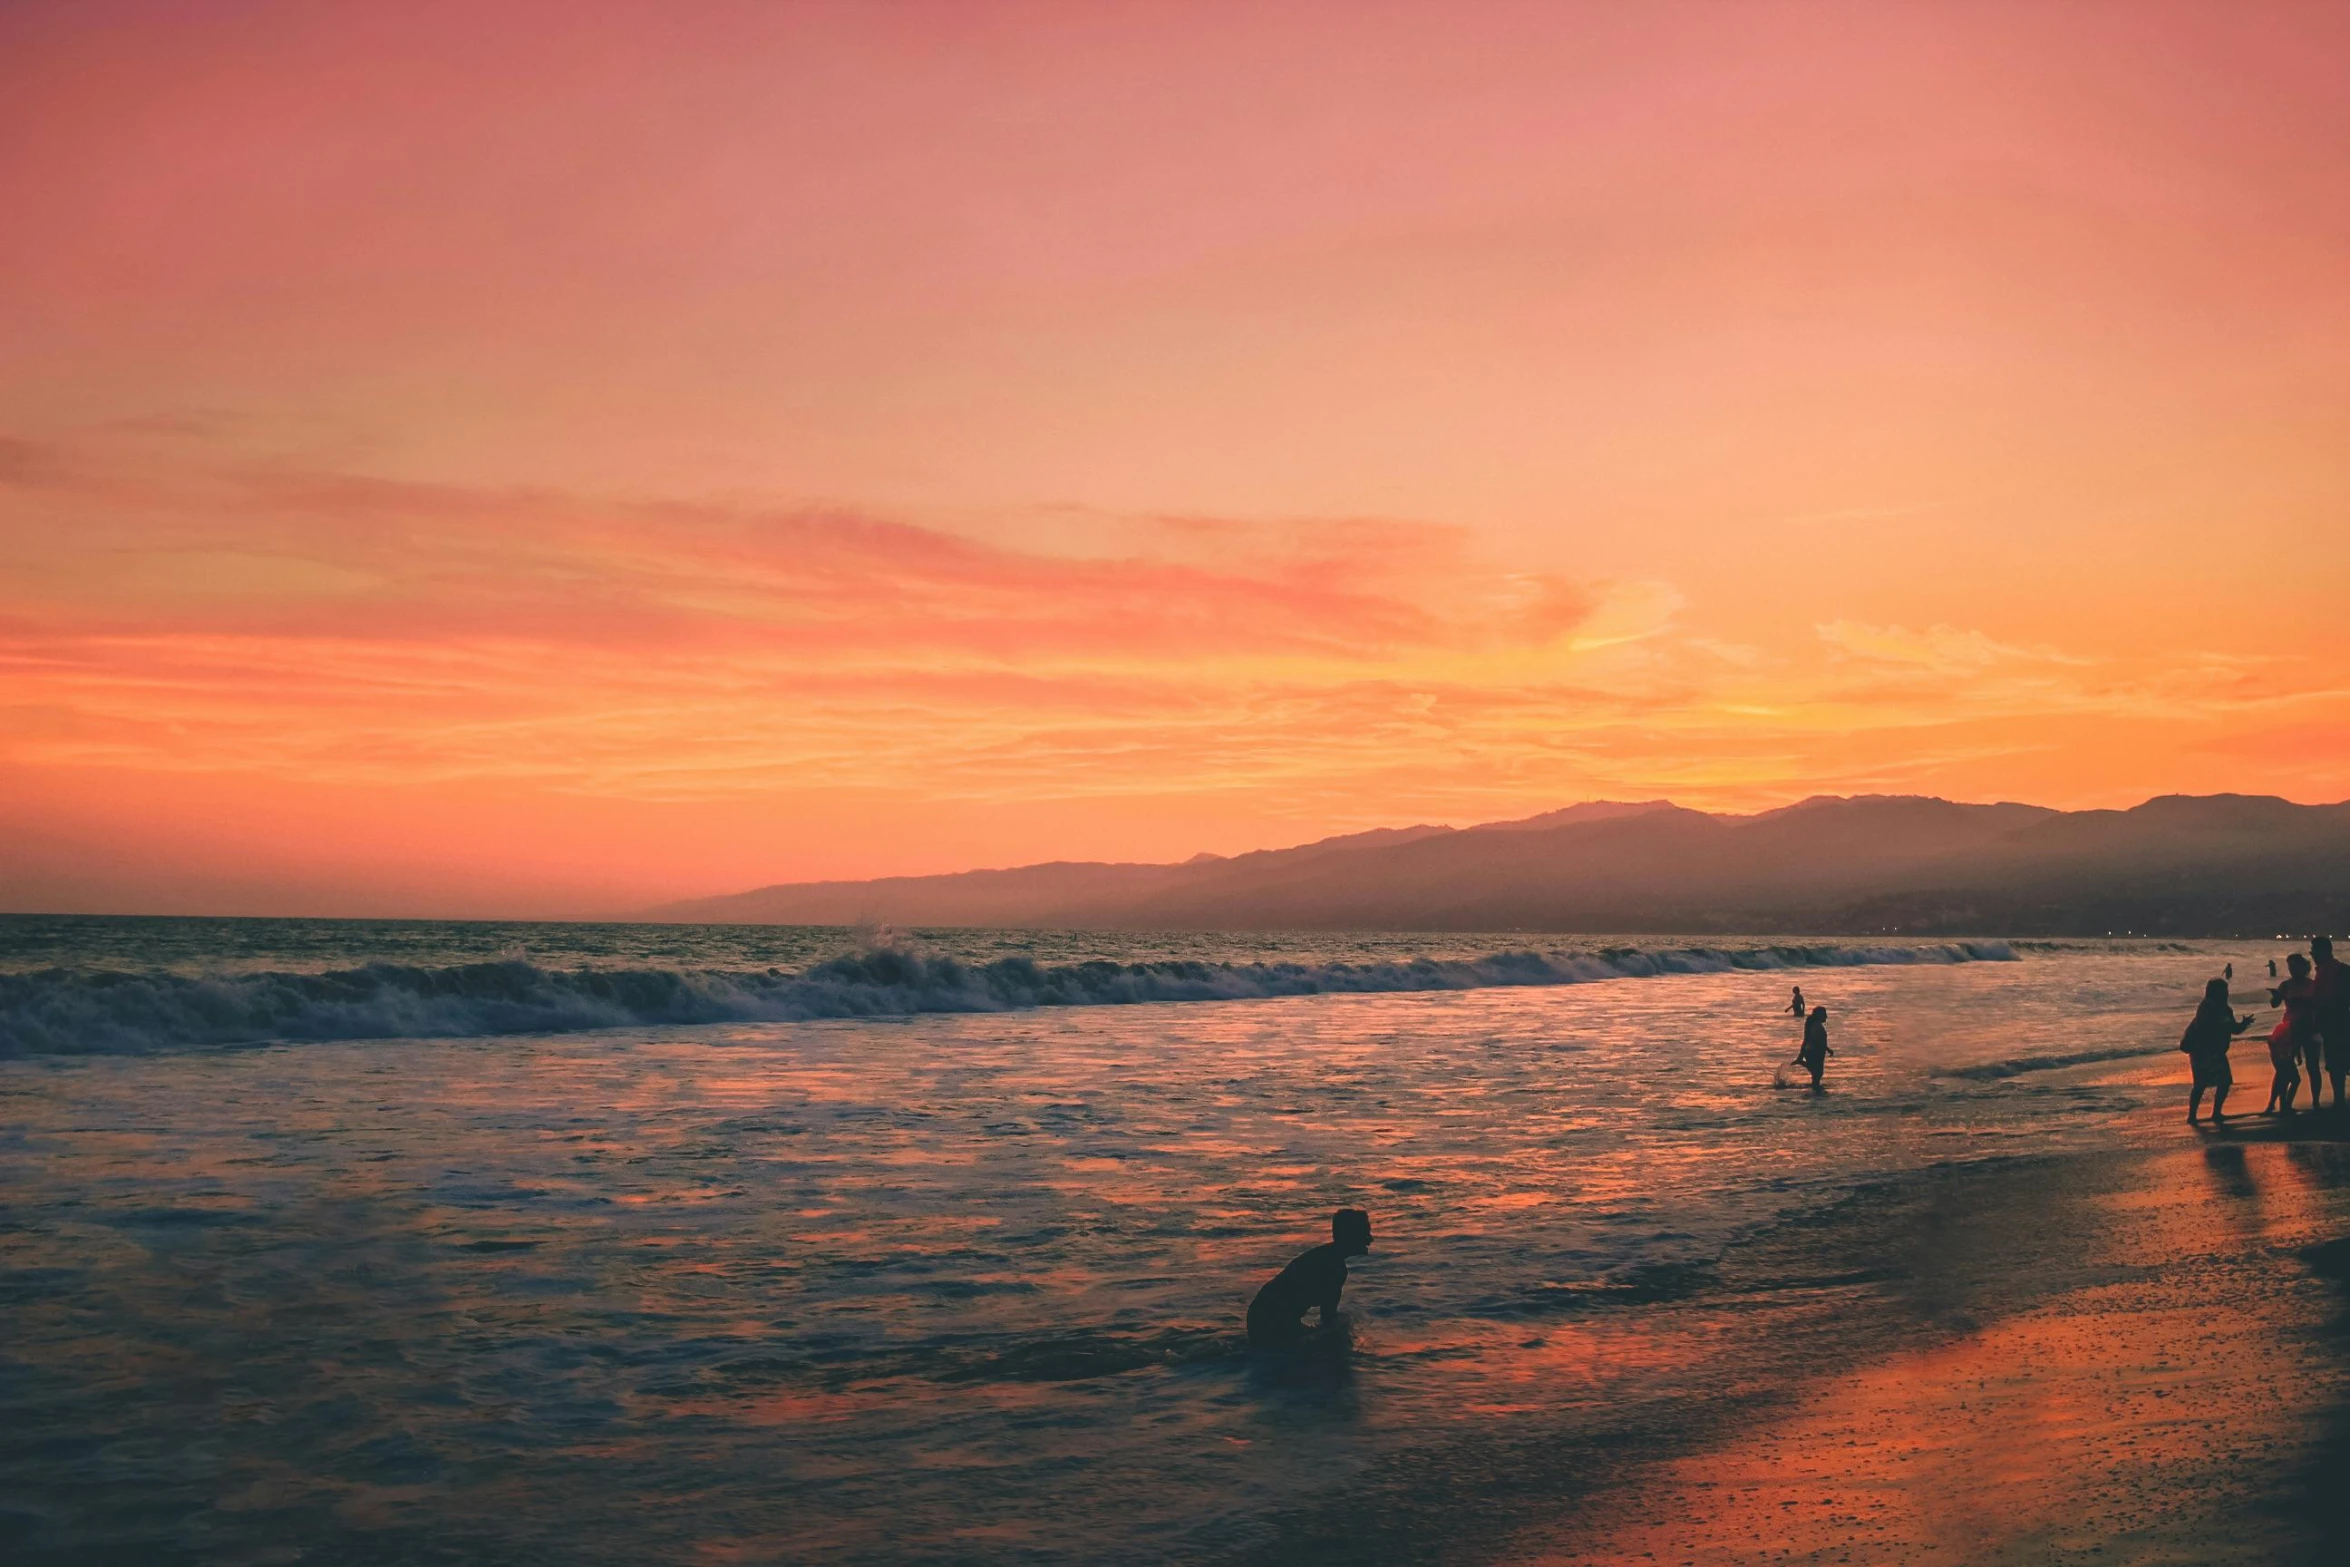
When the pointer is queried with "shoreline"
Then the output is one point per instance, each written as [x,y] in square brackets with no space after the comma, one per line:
[2187,1410]
[964,1293]
[2133,1354]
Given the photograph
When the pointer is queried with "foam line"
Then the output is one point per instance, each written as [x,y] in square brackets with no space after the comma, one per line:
[63,1011]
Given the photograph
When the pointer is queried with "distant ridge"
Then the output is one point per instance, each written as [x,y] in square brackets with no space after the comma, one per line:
[1588,811]
[1868,864]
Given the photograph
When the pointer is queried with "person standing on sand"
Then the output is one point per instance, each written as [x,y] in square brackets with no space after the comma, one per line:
[2331,981]
[2206,1042]
[2289,1042]
[2325,997]
[1813,1057]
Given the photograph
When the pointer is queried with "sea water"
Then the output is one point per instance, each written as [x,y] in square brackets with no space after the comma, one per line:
[789,1245]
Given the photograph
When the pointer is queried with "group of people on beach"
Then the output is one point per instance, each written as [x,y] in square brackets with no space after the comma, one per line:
[2311,1038]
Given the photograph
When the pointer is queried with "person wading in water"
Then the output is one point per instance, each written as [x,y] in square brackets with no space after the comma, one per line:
[1813,1057]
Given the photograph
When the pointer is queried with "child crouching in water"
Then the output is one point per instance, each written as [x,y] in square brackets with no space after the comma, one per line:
[1275,1317]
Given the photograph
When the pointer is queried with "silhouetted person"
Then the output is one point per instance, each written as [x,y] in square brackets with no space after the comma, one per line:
[1813,1057]
[2272,968]
[2331,982]
[2228,972]
[2206,1042]
[2288,1043]
[1795,1007]
[2310,1036]
[1276,1316]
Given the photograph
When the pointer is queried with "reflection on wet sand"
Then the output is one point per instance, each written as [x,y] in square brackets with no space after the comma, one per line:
[2144,1413]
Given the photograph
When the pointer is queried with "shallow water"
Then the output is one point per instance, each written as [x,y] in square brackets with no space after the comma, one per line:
[944,1287]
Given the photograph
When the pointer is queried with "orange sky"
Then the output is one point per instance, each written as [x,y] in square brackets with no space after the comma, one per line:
[546,458]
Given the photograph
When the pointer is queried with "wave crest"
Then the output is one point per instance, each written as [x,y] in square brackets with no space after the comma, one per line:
[2019,1066]
[63,1011]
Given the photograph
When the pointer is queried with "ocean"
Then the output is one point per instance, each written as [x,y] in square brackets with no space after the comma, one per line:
[422,1241]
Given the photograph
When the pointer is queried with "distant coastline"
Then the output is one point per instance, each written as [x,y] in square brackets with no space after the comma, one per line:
[2195,866]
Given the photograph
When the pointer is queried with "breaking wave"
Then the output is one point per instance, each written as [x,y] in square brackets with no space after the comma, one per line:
[1999,1071]
[65,1011]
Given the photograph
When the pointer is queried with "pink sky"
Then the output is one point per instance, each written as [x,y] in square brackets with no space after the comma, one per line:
[504,458]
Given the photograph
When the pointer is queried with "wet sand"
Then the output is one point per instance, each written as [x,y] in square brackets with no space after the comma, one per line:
[2179,1396]
[2139,1355]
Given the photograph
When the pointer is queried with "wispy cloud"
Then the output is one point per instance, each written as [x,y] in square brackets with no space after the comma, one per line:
[129,547]
[340,629]
[1940,650]
[343,627]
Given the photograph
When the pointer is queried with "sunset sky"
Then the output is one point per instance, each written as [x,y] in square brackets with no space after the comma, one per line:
[501,458]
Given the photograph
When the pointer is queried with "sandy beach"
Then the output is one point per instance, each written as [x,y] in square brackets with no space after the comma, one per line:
[2175,1393]
[2137,1357]
[2133,1356]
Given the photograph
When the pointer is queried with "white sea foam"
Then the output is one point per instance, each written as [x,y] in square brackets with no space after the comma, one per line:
[66,1011]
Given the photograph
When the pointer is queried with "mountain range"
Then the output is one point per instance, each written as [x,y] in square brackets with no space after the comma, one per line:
[2186,865]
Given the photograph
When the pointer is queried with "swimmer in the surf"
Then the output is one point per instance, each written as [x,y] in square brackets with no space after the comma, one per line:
[1795,1008]
[1314,1279]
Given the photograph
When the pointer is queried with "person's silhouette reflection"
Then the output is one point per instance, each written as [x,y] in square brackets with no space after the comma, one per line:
[2228,1167]
[1314,1279]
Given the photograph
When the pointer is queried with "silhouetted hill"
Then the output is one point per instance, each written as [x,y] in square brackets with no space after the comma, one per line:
[1874,863]
[1052,894]
[1588,811]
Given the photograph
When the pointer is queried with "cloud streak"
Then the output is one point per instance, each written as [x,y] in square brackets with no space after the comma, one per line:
[338,629]
[118,548]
